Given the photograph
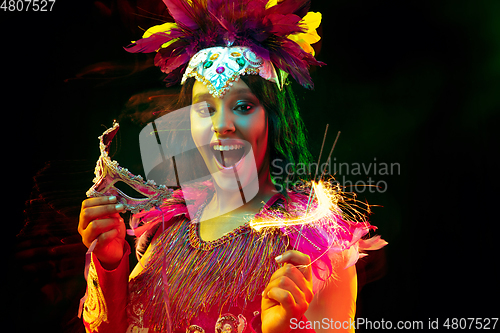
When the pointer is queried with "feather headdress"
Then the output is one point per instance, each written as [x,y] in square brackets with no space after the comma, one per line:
[276,31]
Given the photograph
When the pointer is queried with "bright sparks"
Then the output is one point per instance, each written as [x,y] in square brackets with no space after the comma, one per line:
[326,205]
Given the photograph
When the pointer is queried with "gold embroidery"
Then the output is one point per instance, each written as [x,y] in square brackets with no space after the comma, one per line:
[229,323]
[95,309]
[195,329]
[136,329]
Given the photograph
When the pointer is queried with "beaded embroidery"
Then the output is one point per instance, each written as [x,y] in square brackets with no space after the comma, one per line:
[228,323]
[195,329]
[218,67]
[197,243]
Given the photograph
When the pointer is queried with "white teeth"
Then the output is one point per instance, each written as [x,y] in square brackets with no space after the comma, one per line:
[231,147]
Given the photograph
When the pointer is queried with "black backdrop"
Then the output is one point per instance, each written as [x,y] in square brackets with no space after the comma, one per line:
[408,82]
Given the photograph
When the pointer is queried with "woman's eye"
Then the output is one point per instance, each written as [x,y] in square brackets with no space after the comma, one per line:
[205,111]
[243,107]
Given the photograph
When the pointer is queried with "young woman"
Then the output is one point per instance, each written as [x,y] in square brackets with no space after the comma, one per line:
[214,270]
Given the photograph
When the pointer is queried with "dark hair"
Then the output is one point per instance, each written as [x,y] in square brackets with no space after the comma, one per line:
[287,142]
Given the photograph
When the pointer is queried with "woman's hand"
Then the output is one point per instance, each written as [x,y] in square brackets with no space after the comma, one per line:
[99,219]
[288,293]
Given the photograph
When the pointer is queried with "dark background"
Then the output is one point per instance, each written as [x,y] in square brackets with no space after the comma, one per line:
[408,82]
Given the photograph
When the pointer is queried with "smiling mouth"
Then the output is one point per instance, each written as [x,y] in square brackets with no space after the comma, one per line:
[228,155]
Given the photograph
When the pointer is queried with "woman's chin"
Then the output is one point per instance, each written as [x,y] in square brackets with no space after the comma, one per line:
[236,185]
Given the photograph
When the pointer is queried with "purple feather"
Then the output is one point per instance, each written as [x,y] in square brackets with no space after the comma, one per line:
[283,25]
[181,12]
[297,7]
[293,60]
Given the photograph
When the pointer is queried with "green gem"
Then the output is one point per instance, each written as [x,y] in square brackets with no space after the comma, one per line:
[240,62]
[208,64]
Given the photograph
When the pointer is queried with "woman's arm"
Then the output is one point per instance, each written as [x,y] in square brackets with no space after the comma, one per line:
[103,231]
[333,308]
[105,306]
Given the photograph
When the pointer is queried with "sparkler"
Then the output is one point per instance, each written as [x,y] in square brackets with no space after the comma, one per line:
[313,192]
[340,216]
[326,202]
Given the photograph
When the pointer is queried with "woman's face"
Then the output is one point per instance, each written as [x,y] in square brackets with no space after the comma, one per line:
[231,134]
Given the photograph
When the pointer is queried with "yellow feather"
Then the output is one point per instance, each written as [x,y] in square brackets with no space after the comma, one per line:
[165,27]
[310,22]
[271,3]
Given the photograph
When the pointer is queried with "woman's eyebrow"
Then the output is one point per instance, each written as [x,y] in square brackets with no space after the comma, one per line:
[202,96]
[206,96]
[243,91]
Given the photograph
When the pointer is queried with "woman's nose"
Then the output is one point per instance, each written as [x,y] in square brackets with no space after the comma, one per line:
[223,122]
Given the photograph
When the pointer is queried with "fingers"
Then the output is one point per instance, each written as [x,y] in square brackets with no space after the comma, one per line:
[300,260]
[285,298]
[97,201]
[98,217]
[98,227]
[297,278]
[106,237]
[291,285]
[291,279]
[96,208]
[286,292]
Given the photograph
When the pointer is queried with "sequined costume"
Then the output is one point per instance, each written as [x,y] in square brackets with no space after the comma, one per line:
[190,285]
[193,284]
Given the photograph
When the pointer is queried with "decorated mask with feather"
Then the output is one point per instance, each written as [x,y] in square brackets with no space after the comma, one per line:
[216,41]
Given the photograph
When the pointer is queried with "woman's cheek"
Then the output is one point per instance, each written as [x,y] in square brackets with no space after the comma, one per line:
[200,130]
[261,142]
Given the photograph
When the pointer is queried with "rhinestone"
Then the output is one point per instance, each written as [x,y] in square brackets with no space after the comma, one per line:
[219,70]
[240,62]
